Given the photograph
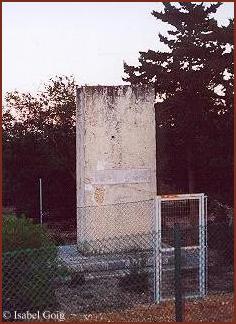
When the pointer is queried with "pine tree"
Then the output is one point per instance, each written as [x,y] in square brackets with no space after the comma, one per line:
[190,76]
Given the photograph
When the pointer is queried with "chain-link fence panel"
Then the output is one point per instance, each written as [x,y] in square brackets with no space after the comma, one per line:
[116,227]
[28,279]
[116,277]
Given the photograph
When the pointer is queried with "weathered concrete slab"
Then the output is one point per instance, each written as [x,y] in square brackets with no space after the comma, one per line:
[118,176]
[116,159]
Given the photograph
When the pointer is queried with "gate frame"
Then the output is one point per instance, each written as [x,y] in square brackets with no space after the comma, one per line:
[158,250]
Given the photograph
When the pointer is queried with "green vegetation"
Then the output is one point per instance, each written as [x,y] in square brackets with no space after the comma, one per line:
[39,142]
[29,265]
[22,233]
[193,79]
[137,278]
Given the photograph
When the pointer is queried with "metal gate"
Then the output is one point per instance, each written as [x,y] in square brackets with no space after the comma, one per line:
[189,211]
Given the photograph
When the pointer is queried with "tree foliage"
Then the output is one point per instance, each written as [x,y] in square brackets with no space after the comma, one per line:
[39,142]
[193,80]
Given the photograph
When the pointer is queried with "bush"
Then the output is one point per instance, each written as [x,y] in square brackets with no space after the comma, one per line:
[137,279]
[29,265]
[22,233]
[221,239]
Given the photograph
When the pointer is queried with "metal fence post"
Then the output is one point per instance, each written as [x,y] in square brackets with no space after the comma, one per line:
[178,285]
[157,252]
[40,201]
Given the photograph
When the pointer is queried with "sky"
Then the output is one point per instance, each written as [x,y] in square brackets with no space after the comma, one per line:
[87,40]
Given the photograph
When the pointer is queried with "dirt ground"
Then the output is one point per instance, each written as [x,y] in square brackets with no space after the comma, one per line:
[213,308]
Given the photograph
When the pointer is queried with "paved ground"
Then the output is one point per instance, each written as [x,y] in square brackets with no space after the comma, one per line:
[73,259]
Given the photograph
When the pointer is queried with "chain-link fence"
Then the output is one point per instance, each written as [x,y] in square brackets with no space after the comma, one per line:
[117,227]
[114,275]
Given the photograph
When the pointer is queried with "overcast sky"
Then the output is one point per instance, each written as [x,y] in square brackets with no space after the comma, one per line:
[87,40]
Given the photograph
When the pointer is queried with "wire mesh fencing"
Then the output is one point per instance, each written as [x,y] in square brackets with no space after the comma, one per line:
[119,275]
[117,227]
[28,279]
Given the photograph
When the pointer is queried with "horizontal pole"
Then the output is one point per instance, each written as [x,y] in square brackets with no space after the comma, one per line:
[180,197]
